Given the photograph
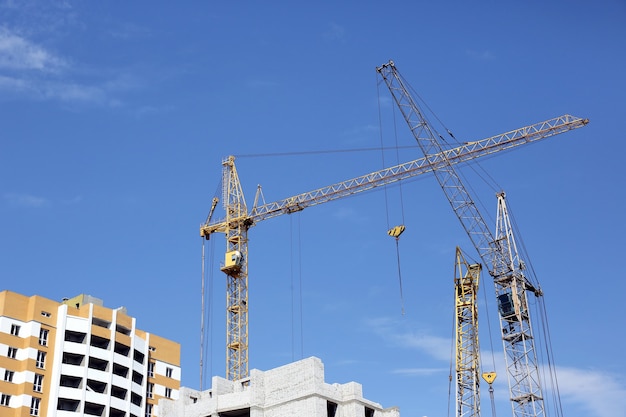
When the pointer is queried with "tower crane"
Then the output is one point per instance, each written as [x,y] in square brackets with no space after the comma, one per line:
[496,253]
[239,219]
[466,279]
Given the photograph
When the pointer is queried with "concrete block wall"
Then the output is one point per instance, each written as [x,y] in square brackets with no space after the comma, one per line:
[296,389]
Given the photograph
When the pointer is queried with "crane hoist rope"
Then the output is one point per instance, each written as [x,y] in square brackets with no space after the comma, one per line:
[395,231]
[239,219]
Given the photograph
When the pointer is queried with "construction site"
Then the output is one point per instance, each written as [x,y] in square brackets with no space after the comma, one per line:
[346,209]
[300,388]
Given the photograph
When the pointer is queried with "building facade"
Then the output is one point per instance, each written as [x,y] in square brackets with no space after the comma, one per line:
[77,357]
[297,389]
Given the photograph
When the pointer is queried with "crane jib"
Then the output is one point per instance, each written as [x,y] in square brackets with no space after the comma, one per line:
[464,153]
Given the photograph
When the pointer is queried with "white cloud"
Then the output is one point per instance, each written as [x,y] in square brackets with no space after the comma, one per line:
[25,200]
[77,93]
[335,32]
[14,84]
[420,371]
[434,346]
[18,53]
[74,200]
[33,72]
[600,393]
[597,392]
[485,55]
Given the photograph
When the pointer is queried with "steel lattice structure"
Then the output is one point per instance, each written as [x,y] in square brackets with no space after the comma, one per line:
[239,219]
[466,280]
[523,370]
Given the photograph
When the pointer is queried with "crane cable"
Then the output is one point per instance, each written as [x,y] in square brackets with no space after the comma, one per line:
[207,313]
[489,377]
[293,303]
[452,361]
[395,231]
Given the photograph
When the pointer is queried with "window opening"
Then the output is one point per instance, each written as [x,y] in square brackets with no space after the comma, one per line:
[34,406]
[72,358]
[67,404]
[122,349]
[114,412]
[245,412]
[331,409]
[41,360]
[43,337]
[120,370]
[8,375]
[38,383]
[138,356]
[97,363]
[118,392]
[121,329]
[75,337]
[15,330]
[70,381]
[135,399]
[96,386]
[99,342]
[137,378]
[100,323]
[93,409]
[12,352]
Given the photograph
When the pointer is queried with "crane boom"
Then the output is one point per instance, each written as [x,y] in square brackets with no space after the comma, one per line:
[464,153]
[239,219]
[509,280]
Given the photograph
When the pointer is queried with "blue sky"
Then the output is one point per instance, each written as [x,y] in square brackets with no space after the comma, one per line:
[116,117]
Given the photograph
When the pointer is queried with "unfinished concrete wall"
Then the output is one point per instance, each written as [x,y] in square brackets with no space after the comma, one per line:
[296,389]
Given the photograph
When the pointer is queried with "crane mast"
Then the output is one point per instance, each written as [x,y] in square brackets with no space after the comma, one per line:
[512,288]
[523,370]
[466,279]
[238,219]
[236,269]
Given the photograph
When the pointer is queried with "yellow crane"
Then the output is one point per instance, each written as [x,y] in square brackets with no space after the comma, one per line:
[467,358]
[239,219]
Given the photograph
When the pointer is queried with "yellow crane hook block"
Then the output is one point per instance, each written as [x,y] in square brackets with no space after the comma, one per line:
[489,377]
[396,231]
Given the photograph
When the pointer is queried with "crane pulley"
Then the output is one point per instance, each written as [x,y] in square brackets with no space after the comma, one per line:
[239,219]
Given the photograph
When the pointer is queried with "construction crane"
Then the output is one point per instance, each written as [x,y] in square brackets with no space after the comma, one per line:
[238,219]
[505,267]
[467,360]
